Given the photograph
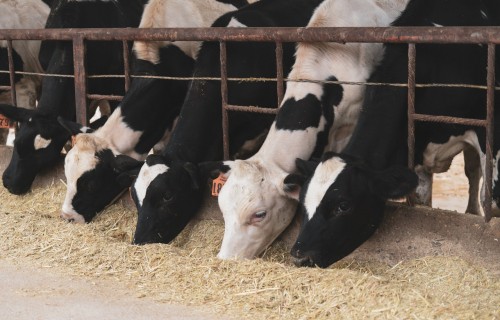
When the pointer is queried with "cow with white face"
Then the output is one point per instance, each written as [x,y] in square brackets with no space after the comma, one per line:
[40,137]
[255,207]
[343,198]
[169,188]
[145,115]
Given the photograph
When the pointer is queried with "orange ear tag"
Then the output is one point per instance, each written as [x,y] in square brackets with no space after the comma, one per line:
[4,122]
[217,184]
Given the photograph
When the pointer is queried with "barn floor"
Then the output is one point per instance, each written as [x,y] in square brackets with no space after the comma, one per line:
[420,264]
[30,292]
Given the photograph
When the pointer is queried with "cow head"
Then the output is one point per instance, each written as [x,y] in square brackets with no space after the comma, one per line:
[167,194]
[342,203]
[254,206]
[37,146]
[95,176]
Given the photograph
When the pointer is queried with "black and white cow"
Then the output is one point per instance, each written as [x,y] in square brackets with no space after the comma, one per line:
[97,166]
[255,207]
[18,14]
[169,187]
[343,201]
[40,137]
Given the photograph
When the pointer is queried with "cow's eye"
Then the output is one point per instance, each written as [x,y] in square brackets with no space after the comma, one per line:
[258,216]
[343,207]
[167,198]
[91,186]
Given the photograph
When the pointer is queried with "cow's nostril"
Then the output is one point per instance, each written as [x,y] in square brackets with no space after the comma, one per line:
[296,253]
[303,262]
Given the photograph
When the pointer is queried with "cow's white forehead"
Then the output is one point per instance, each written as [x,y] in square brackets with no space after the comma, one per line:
[324,176]
[80,159]
[75,165]
[146,176]
[41,143]
[244,189]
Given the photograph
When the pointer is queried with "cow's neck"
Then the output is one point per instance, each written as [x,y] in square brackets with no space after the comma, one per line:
[119,137]
[282,147]
[198,134]
[58,93]
[152,105]
[379,138]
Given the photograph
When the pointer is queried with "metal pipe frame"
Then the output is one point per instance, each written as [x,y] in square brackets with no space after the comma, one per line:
[411,35]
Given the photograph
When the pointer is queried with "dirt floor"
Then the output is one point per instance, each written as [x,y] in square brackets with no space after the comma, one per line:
[450,189]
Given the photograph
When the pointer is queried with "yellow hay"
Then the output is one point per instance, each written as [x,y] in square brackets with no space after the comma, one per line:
[188,272]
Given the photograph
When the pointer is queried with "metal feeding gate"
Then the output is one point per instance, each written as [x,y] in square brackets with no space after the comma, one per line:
[489,36]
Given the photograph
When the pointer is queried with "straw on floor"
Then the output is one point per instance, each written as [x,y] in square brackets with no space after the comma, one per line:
[188,272]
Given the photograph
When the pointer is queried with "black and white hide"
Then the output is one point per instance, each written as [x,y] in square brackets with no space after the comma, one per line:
[40,137]
[169,188]
[343,199]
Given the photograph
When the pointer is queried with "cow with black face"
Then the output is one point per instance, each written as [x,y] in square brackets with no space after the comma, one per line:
[342,219]
[145,115]
[57,98]
[343,200]
[197,136]
[171,194]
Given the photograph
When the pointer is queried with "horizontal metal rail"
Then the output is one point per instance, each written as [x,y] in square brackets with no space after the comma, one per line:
[465,35]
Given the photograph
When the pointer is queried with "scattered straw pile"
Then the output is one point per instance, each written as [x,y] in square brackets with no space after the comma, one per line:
[187,271]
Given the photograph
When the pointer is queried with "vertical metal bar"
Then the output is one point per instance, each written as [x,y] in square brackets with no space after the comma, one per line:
[223,88]
[411,199]
[411,105]
[80,79]
[12,75]
[126,65]
[279,72]
[490,102]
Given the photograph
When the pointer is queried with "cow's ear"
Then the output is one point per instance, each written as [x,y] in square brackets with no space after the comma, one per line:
[213,169]
[192,170]
[126,179]
[15,113]
[72,127]
[394,182]
[122,163]
[306,168]
[293,184]
[94,125]
[128,169]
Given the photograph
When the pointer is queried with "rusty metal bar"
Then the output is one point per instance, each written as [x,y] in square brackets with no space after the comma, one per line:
[126,65]
[451,120]
[80,80]
[411,105]
[280,86]
[224,95]
[465,35]
[252,109]
[12,75]
[490,103]
[104,97]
